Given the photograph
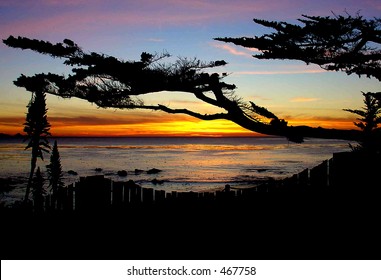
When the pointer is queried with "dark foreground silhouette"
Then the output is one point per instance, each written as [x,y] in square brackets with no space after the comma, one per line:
[336,222]
[272,227]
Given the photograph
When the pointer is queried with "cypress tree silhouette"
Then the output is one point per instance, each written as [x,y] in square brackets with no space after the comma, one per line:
[55,174]
[368,123]
[339,43]
[37,130]
[110,82]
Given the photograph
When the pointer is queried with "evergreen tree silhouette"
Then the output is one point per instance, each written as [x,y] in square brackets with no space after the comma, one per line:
[38,191]
[341,43]
[37,129]
[55,173]
[370,118]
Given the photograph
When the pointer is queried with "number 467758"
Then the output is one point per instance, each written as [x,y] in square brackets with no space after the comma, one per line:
[238,270]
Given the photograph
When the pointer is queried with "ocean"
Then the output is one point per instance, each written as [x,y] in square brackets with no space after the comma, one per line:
[186,164]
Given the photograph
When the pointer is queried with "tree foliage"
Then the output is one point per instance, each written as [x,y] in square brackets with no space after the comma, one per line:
[55,174]
[37,129]
[37,126]
[38,191]
[370,118]
[111,82]
[339,43]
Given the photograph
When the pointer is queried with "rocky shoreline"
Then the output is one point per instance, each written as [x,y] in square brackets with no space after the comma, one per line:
[8,185]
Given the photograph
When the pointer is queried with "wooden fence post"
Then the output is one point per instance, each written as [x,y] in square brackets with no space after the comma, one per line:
[70,198]
[303,180]
[93,193]
[174,195]
[47,203]
[290,183]
[319,177]
[117,194]
[62,199]
[134,192]
[159,196]
[138,194]
[147,195]
[126,194]
[343,171]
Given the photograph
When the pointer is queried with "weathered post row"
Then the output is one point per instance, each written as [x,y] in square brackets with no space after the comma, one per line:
[97,192]
[343,172]
[316,179]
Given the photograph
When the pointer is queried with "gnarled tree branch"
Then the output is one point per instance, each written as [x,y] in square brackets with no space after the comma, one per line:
[339,43]
[110,82]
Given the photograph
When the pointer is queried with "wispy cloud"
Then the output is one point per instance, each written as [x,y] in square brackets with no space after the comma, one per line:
[280,72]
[107,118]
[66,2]
[61,16]
[258,97]
[239,51]
[155,40]
[110,119]
[96,20]
[304,99]
[11,121]
[47,16]
[43,3]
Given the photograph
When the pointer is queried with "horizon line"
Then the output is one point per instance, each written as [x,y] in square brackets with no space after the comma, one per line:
[19,135]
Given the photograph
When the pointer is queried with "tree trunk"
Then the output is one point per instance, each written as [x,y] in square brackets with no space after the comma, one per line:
[32,168]
[294,133]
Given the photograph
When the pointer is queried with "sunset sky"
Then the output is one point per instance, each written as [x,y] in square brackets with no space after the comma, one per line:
[299,93]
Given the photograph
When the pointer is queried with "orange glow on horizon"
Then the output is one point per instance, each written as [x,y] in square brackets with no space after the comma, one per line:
[173,129]
[164,128]
[325,123]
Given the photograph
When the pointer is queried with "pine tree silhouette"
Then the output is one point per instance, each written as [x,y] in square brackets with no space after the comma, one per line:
[38,191]
[55,173]
[370,118]
[342,43]
[37,129]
